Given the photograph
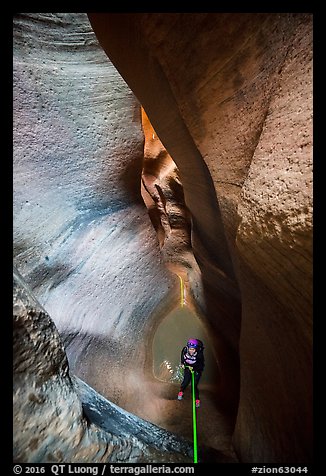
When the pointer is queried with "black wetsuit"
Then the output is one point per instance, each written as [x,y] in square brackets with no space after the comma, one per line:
[197,362]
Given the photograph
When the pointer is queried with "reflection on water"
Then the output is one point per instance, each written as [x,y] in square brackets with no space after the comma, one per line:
[170,338]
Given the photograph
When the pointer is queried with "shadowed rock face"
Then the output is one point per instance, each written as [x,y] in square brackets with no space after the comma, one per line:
[49,420]
[229,96]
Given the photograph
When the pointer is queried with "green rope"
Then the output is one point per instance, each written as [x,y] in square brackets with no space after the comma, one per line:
[194,413]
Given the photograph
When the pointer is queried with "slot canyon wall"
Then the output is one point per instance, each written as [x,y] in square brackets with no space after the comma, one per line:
[83,241]
[53,410]
[230,97]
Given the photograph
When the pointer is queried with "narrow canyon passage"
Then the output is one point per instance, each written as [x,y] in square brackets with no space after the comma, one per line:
[162,190]
[214,426]
[163,195]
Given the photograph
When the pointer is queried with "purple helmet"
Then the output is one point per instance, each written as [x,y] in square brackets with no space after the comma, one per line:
[192,343]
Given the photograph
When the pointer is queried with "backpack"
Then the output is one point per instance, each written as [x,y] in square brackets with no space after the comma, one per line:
[201,346]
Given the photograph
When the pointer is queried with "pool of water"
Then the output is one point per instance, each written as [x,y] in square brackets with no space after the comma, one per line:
[171,336]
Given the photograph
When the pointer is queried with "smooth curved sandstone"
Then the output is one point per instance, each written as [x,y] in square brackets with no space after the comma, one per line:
[82,236]
[50,407]
[163,194]
[229,96]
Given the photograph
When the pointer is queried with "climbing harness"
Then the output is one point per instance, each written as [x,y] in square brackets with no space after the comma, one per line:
[194,423]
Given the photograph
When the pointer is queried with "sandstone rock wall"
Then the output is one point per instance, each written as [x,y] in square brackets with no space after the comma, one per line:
[229,96]
[122,37]
[82,236]
[163,195]
[50,407]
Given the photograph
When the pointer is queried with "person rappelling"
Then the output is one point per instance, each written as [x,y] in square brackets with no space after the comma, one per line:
[192,359]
